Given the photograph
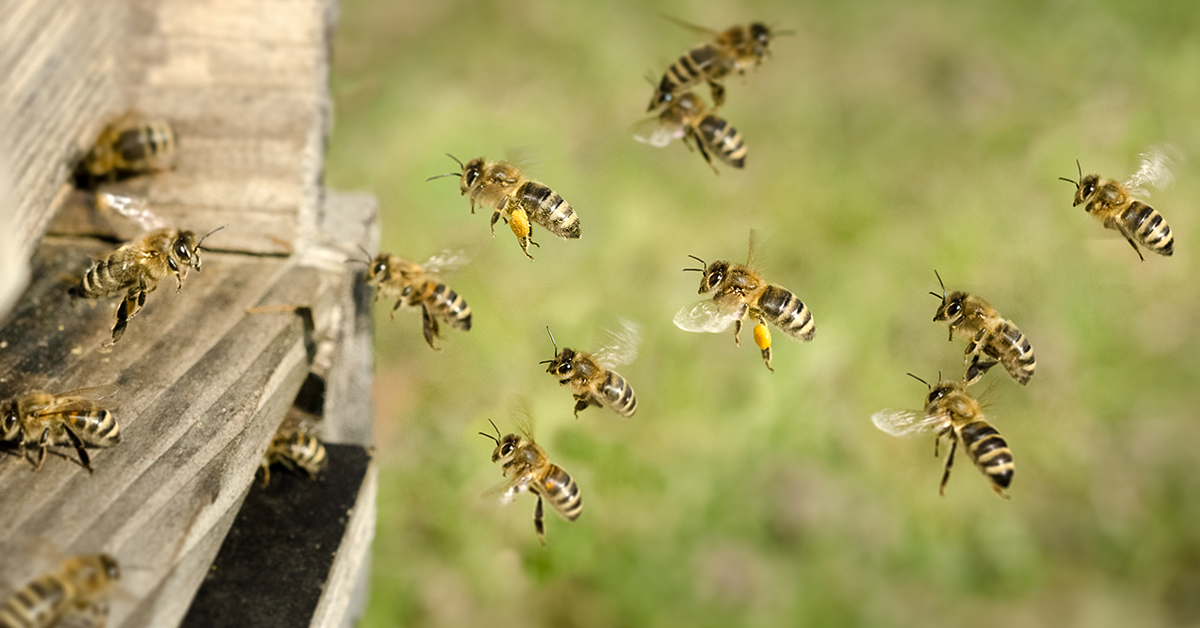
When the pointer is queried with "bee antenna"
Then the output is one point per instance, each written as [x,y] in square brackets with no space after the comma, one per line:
[1072,182]
[497,436]
[448,174]
[939,277]
[702,264]
[1079,168]
[551,342]
[460,164]
[921,380]
[787,32]
[208,234]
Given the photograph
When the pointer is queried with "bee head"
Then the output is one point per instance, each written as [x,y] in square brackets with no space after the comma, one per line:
[183,251]
[951,306]
[563,362]
[762,39]
[471,174]
[1084,187]
[505,446]
[109,565]
[379,269]
[713,276]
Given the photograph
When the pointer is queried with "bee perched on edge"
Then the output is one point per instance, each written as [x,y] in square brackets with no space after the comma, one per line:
[416,284]
[952,413]
[75,595]
[997,338]
[735,49]
[688,118]
[137,267]
[516,199]
[128,146]
[298,451]
[739,293]
[1114,205]
[527,468]
[589,376]
[38,420]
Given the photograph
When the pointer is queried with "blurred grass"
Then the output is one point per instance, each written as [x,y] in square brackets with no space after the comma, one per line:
[886,140]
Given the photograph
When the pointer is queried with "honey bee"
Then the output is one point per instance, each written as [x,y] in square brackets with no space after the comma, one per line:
[997,338]
[688,118]
[739,293]
[416,284]
[527,468]
[129,146]
[516,199]
[296,450]
[951,412]
[1114,205]
[589,376]
[137,267]
[74,595]
[39,420]
[734,50]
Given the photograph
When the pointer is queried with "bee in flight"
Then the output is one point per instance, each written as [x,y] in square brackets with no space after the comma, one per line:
[296,450]
[733,50]
[127,147]
[417,285]
[1114,205]
[952,413]
[516,199]
[138,266]
[38,420]
[988,334]
[740,293]
[688,118]
[527,468]
[75,595]
[590,377]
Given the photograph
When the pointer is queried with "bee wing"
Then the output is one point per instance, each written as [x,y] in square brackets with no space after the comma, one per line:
[1155,171]
[905,422]
[95,393]
[707,316]
[135,209]
[657,132]
[688,25]
[507,489]
[446,261]
[622,345]
[79,400]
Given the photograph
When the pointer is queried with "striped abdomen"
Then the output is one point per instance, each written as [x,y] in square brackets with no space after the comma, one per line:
[107,277]
[305,451]
[787,312]
[724,140]
[38,604]
[558,488]
[1014,352]
[698,64]
[138,146]
[447,305]
[548,209]
[1148,228]
[988,451]
[619,394]
[96,429]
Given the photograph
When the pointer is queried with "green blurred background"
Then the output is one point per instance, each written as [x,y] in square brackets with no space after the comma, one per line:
[886,140]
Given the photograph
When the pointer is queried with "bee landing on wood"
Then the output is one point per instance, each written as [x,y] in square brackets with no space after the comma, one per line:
[298,451]
[74,595]
[126,147]
[38,420]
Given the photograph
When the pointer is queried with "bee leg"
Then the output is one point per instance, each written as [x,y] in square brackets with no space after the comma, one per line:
[949,463]
[429,326]
[398,305]
[42,445]
[976,344]
[1120,227]
[977,370]
[737,329]
[539,523]
[762,338]
[118,329]
[266,469]
[707,159]
[718,93]
[77,443]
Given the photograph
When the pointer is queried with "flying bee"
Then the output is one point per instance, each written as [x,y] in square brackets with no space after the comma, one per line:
[137,267]
[516,199]
[688,118]
[38,420]
[739,292]
[527,468]
[298,451]
[733,50]
[417,285]
[951,412]
[126,147]
[1114,205]
[590,377]
[994,337]
[75,595]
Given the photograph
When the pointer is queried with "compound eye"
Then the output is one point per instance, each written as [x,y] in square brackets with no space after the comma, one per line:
[10,421]
[472,176]
[182,251]
[935,395]
[506,448]
[379,268]
[565,367]
[1088,189]
[953,309]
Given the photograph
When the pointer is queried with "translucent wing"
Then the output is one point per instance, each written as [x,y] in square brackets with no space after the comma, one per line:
[1155,171]
[621,346]
[135,209]
[658,132]
[446,261]
[79,400]
[507,489]
[707,316]
[688,25]
[95,393]
[905,422]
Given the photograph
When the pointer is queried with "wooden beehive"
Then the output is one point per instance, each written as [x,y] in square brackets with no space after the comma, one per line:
[202,384]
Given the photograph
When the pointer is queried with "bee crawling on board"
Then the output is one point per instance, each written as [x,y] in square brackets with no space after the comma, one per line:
[590,376]
[952,413]
[516,199]
[128,146]
[39,420]
[689,119]
[740,293]
[416,285]
[298,451]
[1115,206]
[526,467]
[990,335]
[74,595]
